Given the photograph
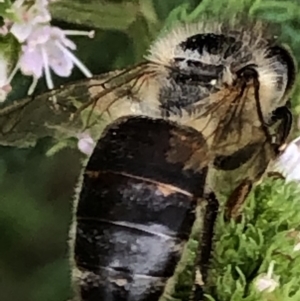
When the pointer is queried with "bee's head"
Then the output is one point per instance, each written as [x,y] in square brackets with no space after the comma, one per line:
[212,56]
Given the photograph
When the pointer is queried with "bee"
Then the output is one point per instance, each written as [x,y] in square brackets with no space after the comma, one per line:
[204,115]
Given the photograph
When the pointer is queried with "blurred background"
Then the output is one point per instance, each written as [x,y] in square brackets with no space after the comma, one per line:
[37,191]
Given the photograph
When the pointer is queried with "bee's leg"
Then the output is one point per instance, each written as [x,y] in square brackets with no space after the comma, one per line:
[205,246]
[275,175]
[197,292]
[284,115]
[237,199]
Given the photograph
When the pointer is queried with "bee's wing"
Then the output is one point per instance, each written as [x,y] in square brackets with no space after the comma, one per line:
[131,91]
[53,113]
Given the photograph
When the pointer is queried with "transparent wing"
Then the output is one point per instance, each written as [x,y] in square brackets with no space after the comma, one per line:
[127,92]
[68,110]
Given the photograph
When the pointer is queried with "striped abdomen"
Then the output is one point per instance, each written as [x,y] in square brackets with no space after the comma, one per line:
[136,208]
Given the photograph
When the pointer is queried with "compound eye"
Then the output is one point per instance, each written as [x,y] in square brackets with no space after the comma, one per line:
[285,59]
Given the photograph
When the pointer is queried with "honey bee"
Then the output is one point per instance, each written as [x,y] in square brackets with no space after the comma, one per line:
[205,114]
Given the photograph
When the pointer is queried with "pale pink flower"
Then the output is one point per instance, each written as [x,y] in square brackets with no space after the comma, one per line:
[86,144]
[28,17]
[44,48]
[48,48]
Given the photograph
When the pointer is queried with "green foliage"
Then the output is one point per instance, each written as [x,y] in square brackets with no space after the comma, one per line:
[5,9]
[36,201]
[268,232]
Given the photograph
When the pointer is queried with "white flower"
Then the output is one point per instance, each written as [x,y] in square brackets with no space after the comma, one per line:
[4,87]
[86,144]
[297,247]
[267,282]
[48,48]
[28,16]
[289,162]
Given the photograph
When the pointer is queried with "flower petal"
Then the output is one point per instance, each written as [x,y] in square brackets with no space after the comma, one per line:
[75,60]
[62,67]
[86,144]
[31,62]
[21,31]
[59,34]
[39,12]
[40,35]
[46,66]
[59,62]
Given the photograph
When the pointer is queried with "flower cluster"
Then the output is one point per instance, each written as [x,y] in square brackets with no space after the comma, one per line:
[43,47]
